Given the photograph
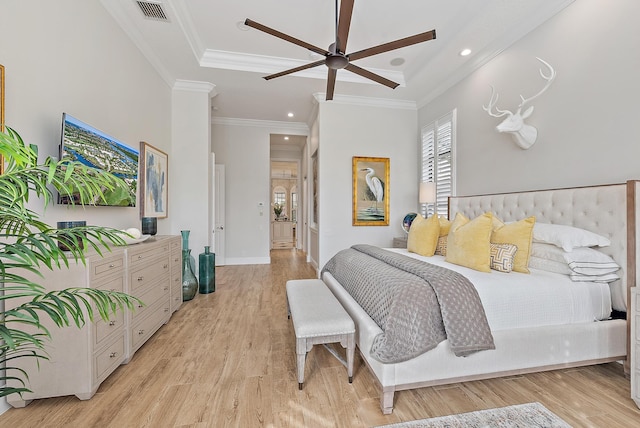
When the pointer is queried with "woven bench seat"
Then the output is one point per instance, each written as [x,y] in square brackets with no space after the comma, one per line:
[318,318]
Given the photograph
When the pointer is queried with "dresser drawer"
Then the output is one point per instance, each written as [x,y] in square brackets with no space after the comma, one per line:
[147,275]
[104,329]
[103,267]
[147,326]
[159,291]
[141,255]
[106,360]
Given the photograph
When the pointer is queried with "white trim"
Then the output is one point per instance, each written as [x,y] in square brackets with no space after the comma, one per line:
[300,127]
[194,86]
[270,64]
[248,261]
[367,101]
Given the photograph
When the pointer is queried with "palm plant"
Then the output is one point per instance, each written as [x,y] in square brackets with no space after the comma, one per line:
[27,245]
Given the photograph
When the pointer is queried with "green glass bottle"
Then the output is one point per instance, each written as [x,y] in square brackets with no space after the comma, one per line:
[189,280]
[207,267]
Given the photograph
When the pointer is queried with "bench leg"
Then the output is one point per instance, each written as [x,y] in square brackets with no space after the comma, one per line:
[351,347]
[301,351]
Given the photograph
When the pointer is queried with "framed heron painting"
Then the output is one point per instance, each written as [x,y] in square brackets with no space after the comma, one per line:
[370,191]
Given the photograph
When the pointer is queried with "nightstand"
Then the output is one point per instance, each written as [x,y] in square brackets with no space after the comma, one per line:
[400,242]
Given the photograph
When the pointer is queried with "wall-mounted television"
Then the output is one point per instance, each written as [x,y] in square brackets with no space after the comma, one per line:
[84,143]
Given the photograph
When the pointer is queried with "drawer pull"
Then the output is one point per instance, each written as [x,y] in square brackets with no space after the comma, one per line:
[112,323]
[165,266]
[166,288]
[140,306]
[111,265]
[140,278]
[141,332]
[113,355]
[166,309]
[139,257]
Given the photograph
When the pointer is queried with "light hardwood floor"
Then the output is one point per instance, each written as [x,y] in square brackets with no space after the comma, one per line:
[228,359]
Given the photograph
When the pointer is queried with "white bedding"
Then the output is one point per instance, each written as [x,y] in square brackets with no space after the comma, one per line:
[517,300]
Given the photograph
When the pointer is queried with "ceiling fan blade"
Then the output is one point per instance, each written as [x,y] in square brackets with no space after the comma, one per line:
[372,76]
[344,22]
[397,44]
[293,70]
[331,83]
[286,37]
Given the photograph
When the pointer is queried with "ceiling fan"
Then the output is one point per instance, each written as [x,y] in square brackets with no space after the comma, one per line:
[335,57]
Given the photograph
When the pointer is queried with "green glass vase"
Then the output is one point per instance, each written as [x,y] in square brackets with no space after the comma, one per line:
[189,280]
[207,267]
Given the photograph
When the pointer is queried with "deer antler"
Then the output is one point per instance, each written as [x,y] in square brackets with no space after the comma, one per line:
[549,78]
[492,103]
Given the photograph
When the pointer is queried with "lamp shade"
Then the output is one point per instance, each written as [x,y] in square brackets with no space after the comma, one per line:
[427,193]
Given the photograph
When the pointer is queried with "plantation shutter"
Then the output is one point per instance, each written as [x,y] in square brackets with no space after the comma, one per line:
[437,161]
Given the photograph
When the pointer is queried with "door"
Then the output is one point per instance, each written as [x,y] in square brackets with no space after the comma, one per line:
[219,209]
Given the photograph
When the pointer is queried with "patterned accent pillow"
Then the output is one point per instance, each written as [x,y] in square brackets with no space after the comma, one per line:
[441,247]
[502,256]
[518,233]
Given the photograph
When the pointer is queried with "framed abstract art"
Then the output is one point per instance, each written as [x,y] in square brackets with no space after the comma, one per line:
[154,179]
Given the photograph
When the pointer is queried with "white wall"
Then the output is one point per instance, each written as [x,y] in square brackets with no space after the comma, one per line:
[587,120]
[243,147]
[190,173]
[70,56]
[349,130]
[55,63]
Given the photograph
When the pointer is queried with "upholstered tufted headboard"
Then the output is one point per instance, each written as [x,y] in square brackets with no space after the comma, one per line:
[600,209]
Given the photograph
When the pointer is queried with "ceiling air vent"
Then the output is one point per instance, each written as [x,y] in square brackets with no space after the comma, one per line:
[153,10]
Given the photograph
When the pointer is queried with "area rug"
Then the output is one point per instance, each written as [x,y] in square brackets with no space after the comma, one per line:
[530,415]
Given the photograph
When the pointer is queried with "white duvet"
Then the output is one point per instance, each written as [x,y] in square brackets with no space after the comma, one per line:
[518,300]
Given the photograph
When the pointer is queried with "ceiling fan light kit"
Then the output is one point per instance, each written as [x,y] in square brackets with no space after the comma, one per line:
[335,57]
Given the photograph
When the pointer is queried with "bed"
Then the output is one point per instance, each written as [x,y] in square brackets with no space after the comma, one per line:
[580,340]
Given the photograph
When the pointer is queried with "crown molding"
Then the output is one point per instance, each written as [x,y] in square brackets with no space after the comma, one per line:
[270,65]
[194,86]
[367,101]
[300,128]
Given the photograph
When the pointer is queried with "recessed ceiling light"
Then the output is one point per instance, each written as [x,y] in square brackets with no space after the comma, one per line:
[286,138]
[290,114]
[241,26]
[397,61]
[465,52]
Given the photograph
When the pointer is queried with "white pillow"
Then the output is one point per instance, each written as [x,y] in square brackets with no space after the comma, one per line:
[549,265]
[567,237]
[581,261]
[610,277]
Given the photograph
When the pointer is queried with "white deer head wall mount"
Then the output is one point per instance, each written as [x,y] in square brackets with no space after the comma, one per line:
[523,134]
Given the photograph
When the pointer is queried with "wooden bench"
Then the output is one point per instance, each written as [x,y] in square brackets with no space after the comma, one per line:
[319,318]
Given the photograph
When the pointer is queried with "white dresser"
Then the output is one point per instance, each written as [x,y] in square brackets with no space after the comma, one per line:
[80,359]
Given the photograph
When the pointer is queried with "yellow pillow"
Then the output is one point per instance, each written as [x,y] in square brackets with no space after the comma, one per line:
[468,242]
[423,235]
[518,233]
[445,226]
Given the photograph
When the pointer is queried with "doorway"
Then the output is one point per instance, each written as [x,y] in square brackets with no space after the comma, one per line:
[284,201]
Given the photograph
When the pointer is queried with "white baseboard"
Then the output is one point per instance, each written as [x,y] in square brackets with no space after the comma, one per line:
[247,261]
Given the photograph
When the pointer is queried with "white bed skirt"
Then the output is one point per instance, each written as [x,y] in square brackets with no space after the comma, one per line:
[517,351]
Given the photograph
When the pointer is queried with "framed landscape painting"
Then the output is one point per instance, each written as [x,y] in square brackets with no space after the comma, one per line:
[154,168]
[370,191]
